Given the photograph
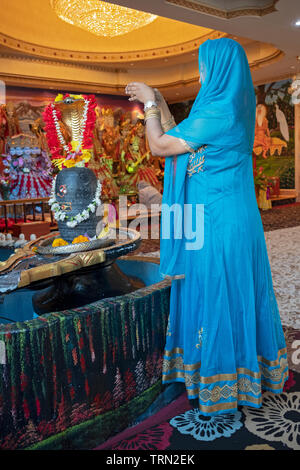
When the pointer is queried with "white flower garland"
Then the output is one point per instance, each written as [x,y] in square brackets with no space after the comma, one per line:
[57,126]
[59,215]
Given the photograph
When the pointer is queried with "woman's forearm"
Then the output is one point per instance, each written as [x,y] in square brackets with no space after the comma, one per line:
[161,144]
[166,116]
[165,112]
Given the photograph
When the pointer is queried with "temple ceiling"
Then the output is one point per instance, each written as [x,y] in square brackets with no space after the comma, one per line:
[39,49]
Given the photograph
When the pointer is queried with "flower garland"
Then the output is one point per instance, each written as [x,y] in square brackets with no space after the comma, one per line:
[72,221]
[76,153]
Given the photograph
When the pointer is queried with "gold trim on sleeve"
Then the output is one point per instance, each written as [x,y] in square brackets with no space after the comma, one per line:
[186,146]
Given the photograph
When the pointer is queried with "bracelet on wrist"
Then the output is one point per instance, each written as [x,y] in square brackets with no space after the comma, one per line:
[152,112]
[149,104]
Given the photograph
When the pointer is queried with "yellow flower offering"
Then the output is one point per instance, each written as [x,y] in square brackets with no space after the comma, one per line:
[59,242]
[80,239]
[69,163]
[86,155]
[59,97]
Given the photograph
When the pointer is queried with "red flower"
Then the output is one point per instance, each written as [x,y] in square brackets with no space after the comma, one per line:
[51,132]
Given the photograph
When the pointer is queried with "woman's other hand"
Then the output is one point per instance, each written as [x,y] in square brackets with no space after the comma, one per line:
[140,92]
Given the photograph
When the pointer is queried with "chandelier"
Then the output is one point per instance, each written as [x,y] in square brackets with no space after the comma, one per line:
[101,18]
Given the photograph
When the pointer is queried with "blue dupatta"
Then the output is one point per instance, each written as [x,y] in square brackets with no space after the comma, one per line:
[223,113]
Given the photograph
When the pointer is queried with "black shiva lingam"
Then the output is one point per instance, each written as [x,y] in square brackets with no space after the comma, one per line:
[76,204]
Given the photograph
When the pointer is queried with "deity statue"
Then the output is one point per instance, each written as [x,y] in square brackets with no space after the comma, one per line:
[76,192]
[109,132]
[136,157]
[102,165]
[37,128]
[12,120]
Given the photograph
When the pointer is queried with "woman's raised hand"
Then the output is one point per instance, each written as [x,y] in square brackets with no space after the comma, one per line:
[140,92]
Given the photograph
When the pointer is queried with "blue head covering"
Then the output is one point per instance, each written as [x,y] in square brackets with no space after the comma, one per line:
[223,115]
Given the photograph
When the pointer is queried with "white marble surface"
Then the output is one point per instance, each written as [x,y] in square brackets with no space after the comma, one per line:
[283,247]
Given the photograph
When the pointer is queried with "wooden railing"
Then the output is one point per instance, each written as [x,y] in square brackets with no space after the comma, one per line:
[23,205]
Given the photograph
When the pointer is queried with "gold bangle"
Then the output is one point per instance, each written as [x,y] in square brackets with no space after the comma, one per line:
[152,112]
[169,124]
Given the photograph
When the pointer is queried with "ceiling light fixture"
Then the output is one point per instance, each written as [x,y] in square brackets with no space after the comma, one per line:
[101,18]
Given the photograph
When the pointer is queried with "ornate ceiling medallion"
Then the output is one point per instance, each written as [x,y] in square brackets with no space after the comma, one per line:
[229,9]
[101,18]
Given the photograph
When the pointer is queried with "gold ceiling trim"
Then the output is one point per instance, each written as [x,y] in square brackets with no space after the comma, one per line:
[270,59]
[116,89]
[197,6]
[103,57]
[62,84]
[97,68]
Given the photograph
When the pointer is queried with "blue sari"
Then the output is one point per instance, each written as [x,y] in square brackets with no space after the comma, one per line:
[224,339]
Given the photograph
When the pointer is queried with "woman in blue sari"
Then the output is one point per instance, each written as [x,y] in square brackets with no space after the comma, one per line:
[224,339]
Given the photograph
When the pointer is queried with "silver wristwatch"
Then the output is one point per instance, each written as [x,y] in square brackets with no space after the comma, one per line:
[149,104]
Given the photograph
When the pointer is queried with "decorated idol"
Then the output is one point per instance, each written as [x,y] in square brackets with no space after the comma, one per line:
[75,197]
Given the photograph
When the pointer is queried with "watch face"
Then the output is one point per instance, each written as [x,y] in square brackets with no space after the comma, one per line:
[149,104]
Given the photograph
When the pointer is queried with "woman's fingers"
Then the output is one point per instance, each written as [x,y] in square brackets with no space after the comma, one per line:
[133,86]
[139,91]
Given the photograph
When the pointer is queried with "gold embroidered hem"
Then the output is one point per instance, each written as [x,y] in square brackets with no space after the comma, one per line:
[243,386]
